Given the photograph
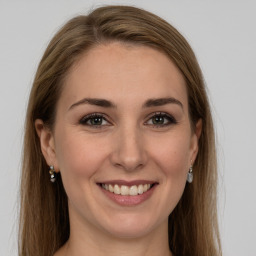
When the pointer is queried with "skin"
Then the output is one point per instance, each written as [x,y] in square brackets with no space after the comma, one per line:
[127,145]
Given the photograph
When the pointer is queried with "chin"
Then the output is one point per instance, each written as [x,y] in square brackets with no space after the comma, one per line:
[132,226]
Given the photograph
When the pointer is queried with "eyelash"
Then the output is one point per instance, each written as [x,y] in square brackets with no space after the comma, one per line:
[90,117]
[168,120]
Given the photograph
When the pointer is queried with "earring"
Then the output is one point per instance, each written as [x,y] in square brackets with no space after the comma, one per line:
[190,175]
[52,174]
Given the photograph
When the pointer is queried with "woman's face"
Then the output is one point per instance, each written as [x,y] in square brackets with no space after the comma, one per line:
[122,124]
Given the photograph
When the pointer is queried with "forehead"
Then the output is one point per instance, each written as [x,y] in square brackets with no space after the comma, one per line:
[118,71]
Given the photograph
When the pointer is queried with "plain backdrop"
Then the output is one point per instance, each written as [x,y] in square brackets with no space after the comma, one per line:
[223,36]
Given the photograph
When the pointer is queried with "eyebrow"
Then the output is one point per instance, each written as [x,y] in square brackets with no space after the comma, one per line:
[96,102]
[108,104]
[161,102]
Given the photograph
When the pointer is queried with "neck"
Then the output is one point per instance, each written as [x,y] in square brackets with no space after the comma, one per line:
[93,241]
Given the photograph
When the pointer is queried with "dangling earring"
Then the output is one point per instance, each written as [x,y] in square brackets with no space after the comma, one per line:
[52,174]
[190,175]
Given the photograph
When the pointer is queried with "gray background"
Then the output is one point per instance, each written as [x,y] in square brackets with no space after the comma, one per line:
[223,35]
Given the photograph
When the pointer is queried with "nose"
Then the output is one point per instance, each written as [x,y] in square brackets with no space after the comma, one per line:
[129,152]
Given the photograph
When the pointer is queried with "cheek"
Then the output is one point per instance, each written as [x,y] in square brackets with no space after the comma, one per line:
[172,155]
[77,155]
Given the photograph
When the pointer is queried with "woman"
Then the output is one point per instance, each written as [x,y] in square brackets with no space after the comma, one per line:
[118,119]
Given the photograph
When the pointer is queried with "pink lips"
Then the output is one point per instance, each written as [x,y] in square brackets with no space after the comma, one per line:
[128,200]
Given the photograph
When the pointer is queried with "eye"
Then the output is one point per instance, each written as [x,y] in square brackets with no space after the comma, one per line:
[95,120]
[161,119]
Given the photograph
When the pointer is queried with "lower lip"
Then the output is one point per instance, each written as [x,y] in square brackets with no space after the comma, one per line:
[129,200]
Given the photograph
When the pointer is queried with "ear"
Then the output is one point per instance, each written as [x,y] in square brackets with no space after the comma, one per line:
[47,143]
[194,140]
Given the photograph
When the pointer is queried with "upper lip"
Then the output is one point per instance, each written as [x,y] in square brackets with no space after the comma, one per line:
[128,183]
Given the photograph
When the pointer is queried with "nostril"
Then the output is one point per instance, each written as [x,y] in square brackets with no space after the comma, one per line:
[128,154]
[129,165]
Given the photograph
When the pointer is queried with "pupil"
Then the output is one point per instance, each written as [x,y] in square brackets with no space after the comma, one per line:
[158,120]
[96,121]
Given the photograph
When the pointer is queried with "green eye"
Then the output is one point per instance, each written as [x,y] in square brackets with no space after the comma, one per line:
[161,119]
[94,119]
[158,120]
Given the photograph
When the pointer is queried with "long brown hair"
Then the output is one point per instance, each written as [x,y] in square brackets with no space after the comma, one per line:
[44,220]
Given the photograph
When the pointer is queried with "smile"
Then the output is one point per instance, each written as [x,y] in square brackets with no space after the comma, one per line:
[128,193]
[124,190]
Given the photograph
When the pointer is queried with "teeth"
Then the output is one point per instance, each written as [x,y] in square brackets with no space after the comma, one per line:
[126,190]
[133,191]
[117,190]
[140,189]
[110,188]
